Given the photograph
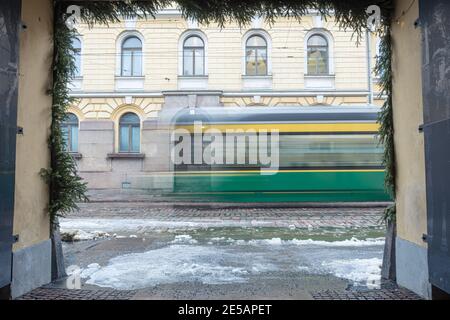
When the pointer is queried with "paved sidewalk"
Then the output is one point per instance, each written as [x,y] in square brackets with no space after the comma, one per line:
[391,292]
[49,293]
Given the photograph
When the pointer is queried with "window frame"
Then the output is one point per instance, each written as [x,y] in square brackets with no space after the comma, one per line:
[69,125]
[193,50]
[130,127]
[180,66]
[133,57]
[257,48]
[313,48]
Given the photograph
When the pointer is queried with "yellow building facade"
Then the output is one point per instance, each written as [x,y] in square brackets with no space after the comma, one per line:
[145,66]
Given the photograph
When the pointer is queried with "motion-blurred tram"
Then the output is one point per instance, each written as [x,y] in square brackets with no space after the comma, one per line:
[325,154]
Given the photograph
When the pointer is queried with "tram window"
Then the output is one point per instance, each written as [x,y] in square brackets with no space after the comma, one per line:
[330,151]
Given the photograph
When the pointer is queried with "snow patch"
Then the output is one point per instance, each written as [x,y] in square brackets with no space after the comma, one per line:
[184,238]
[357,270]
[91,268]
[168,265]
[353,242]
[80,235]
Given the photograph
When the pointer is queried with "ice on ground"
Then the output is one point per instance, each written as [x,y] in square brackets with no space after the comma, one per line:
[91,268]
[356,270]
[353,242]
[168,265]
[184,238]
[133,226]
[80,235]
[184,259]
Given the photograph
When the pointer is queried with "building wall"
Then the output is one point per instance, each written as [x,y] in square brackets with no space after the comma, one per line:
[412,266]
[31,253]
[225,53]
[102,99]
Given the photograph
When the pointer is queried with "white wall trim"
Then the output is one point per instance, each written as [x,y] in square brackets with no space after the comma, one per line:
[186,34]
[268,38]
[249,93]
[125,34]
[327,34]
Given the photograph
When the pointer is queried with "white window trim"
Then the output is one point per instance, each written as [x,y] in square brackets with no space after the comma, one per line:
[327,35]
[266,36]
[186,34]
[120,39]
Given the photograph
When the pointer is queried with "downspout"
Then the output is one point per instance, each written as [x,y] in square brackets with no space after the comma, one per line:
[369,68]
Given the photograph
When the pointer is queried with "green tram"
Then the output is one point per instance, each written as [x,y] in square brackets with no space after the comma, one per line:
[325,154]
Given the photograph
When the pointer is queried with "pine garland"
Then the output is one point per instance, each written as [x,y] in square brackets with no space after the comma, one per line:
[383,69]
[67,188]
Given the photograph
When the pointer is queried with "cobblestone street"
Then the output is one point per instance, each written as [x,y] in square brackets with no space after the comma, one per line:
[223,215]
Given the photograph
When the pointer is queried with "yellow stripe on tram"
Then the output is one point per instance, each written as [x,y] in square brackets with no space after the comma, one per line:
[292,127]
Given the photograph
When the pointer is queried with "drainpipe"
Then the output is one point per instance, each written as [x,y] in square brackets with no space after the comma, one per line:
[369,68]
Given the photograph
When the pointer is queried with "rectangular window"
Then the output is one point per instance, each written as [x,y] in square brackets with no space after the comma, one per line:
[135,139]
[129,138]
[127,64]
[65,136]
[188,63]
[73,139]
[124,139]
[137,64]
[78,63]
[262,62]
[199,63]
[317,62]
[250,62]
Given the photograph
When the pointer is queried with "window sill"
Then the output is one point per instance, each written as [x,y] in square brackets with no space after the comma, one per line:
[76,155]
[130,77]
[320,76]
[245,76]
[124,155]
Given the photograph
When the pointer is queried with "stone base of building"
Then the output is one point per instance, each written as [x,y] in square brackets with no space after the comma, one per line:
[31,268]
[412,267]
[134,180]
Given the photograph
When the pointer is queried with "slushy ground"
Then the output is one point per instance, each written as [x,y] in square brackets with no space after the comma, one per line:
[230,258]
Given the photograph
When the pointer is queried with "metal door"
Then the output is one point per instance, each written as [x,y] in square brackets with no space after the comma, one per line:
[435,23]
[9,56]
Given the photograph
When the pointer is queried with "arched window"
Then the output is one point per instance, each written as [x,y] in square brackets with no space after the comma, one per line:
[318,55]
[69,130]
[76,45]
[193,56]
[256,56]
[129,133]
[131,57]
